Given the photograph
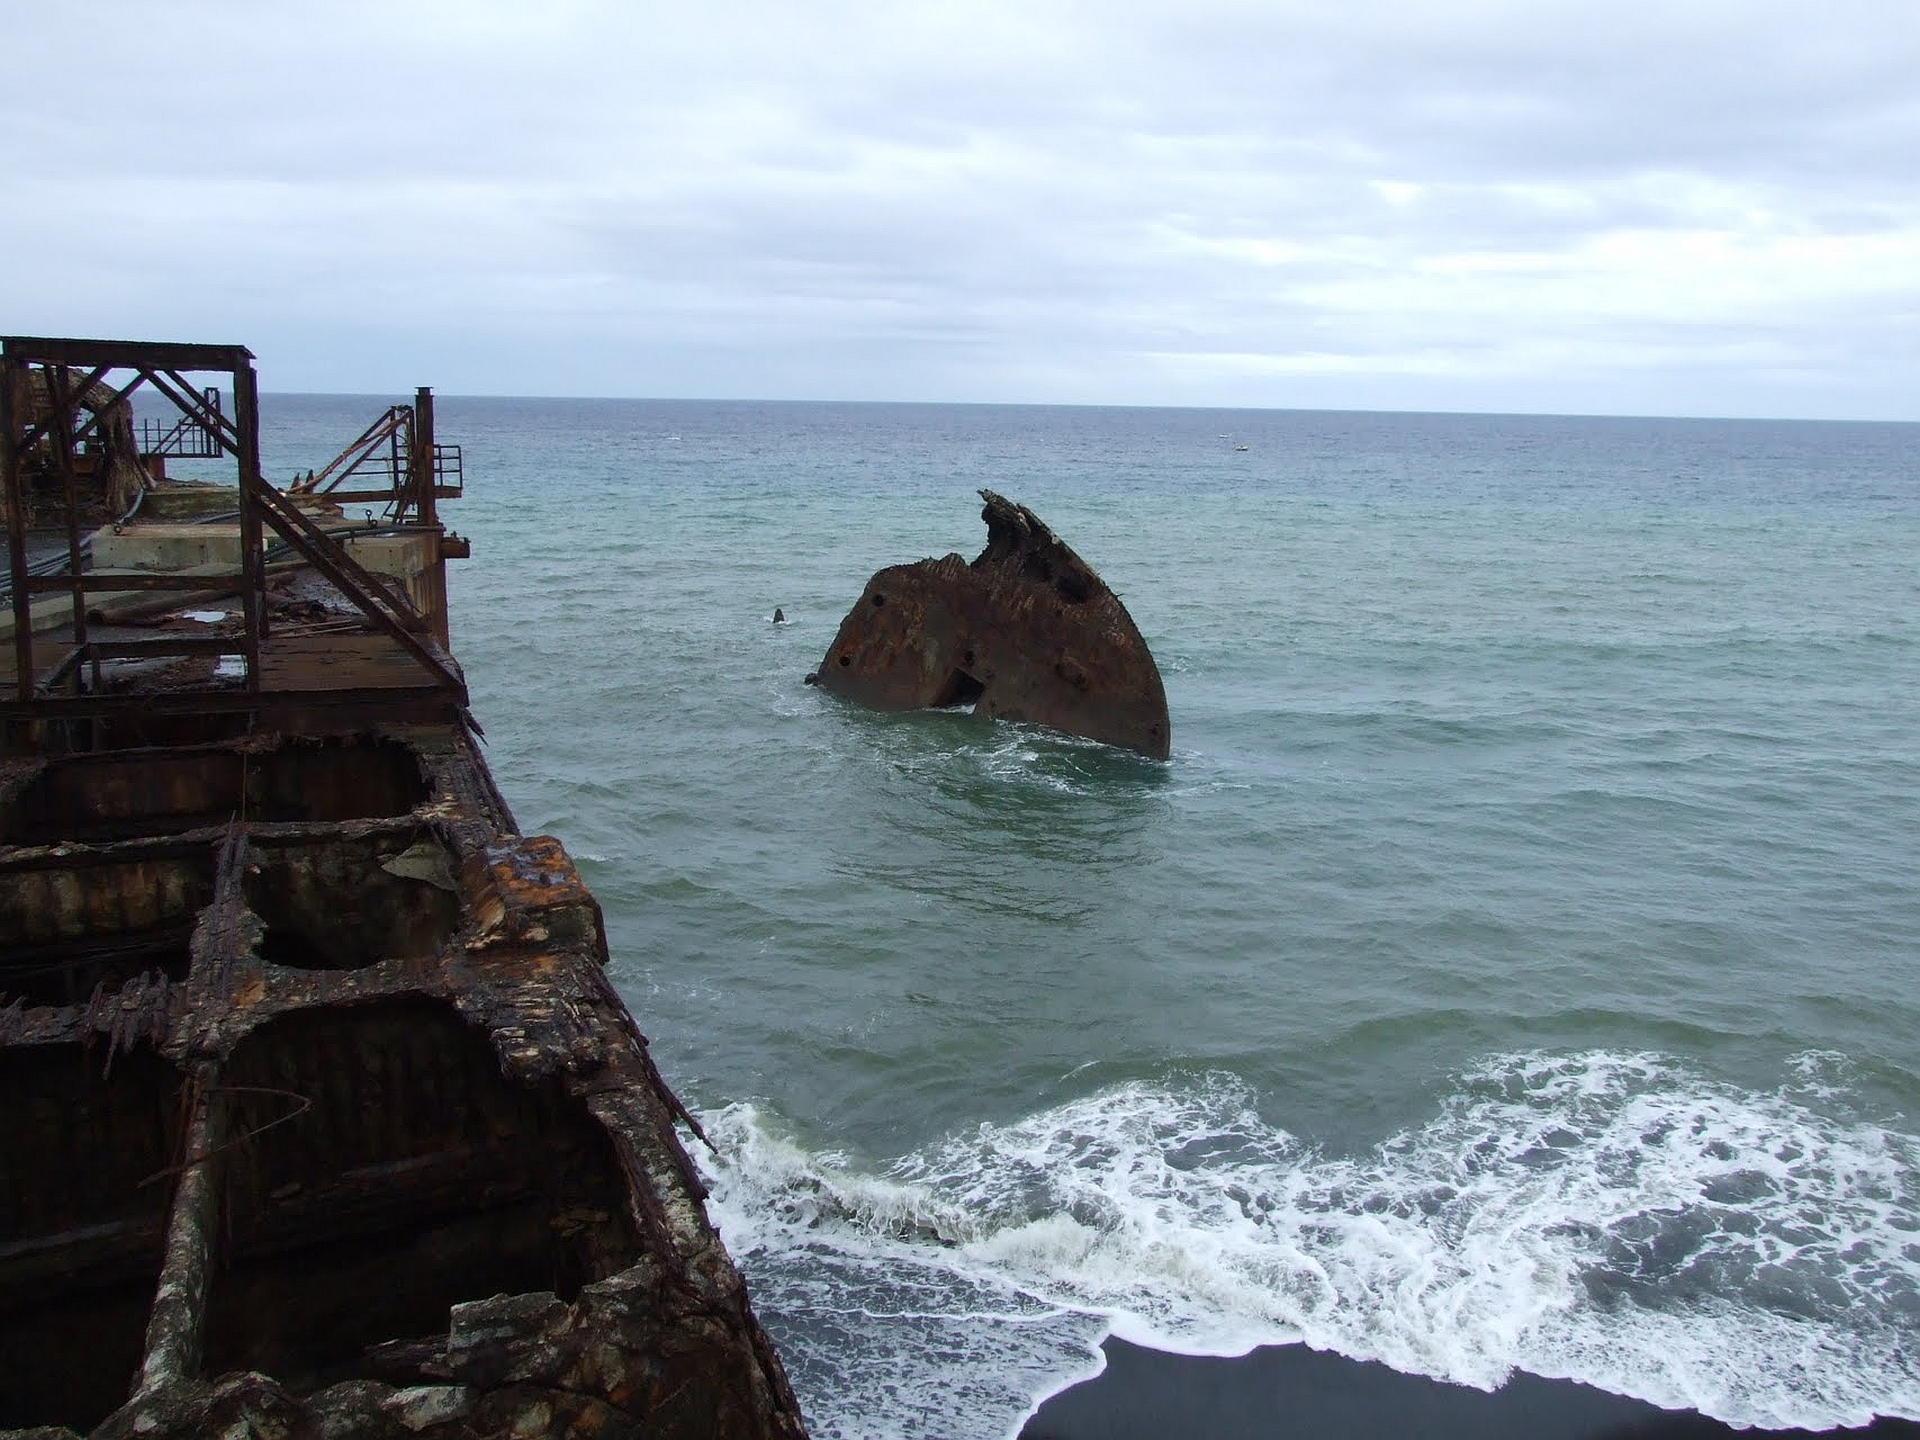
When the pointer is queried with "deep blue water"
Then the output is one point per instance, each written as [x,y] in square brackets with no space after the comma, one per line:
[1513,967]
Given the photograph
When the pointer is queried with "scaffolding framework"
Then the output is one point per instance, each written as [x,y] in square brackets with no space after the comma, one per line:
[69,684]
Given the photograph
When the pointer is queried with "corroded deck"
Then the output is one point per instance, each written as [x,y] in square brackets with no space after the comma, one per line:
[323,1116]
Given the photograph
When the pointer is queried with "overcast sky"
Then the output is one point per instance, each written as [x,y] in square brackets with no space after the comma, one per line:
[1684,207]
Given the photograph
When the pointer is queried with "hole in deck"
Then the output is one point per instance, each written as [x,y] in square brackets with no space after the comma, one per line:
[419,1178]
[81,1238]
[346,904]
[339,779]
[64,931]
[134,729]
[121,794]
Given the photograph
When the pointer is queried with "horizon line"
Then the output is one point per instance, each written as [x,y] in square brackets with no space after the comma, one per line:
[1101,405]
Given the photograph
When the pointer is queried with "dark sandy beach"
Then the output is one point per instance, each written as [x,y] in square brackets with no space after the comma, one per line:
[1300,1394]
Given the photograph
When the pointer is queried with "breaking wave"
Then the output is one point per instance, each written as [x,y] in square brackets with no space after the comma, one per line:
[1616,1219]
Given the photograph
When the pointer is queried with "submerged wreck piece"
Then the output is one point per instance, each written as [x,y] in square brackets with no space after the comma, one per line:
[1026,631]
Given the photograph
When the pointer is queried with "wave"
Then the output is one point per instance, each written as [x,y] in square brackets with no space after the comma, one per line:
[1617,1219]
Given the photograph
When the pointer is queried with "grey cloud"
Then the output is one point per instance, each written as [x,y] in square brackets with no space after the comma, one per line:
[958,202]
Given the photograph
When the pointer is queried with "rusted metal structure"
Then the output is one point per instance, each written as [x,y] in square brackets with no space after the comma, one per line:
[321,1115]
[1027,631]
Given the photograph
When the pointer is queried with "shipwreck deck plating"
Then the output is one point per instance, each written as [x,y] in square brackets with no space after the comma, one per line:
[323,1115]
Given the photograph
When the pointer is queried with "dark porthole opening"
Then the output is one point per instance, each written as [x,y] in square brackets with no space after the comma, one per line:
[960,689]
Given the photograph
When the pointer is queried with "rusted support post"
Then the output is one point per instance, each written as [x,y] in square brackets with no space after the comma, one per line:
[253,552]
[402,484]
[426,466]
[176,1326]
[63,400]
[423,460]
[12,378]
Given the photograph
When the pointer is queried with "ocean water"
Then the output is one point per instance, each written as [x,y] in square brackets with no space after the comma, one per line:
[1513,968]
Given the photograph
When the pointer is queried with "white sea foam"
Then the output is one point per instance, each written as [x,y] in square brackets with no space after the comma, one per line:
[1616,1219]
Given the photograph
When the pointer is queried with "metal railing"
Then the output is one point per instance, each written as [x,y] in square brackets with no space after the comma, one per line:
[190,436]
[449,472]
[379,464]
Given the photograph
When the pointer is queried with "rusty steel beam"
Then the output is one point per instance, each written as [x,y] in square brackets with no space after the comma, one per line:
[1027,631]
[220,702]
[189,403]
[62,417]
[164,645]
[253,550]
[357,452]
[84,432]
[124,354]
[64,396]
[59,399]
[360,497]
[68,666]
[107,581]
[175,1327]
[348,576]
[12,377]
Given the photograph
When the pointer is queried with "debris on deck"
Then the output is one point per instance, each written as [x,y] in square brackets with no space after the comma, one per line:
[1027,631]
[323,1118]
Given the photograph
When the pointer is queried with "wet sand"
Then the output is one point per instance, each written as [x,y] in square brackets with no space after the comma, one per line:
[1289,1392]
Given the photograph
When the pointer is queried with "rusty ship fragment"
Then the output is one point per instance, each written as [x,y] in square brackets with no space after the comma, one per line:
[1025,631]
[321,1115]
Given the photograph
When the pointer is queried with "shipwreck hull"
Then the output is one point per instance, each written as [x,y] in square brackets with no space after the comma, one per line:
[1025,631]
[317,1150]
[323,1116]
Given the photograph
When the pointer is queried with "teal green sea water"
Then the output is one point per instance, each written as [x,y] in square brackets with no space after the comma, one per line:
[1514,967]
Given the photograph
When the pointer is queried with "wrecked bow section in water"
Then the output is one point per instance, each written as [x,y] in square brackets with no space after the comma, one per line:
[1026,631]
[323,1117]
